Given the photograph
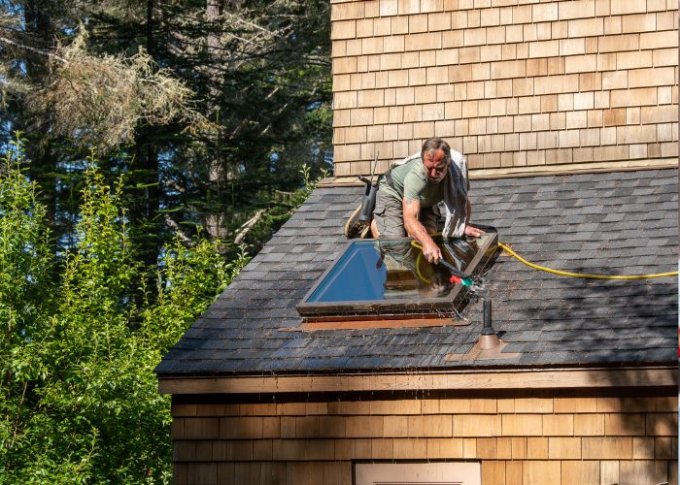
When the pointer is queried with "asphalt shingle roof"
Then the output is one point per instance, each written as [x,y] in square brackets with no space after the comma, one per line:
[616,223]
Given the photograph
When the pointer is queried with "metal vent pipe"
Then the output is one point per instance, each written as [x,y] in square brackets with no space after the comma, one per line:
[488,339]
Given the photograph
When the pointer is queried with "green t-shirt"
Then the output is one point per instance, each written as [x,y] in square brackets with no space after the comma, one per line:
[409,181]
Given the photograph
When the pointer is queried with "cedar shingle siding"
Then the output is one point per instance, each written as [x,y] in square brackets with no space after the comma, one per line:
[544,438]
[510,83]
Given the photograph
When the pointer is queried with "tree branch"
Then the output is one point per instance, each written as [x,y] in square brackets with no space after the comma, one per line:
[243,230]
[35,50]
[173,225]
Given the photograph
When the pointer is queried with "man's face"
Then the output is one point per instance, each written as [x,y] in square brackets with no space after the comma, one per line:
[436,165]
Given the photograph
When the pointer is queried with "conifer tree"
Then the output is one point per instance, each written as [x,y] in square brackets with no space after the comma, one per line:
[211,106]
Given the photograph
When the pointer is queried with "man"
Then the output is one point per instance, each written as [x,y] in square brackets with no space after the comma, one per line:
[412,193]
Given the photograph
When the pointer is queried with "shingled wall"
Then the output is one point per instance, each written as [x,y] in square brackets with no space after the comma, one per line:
[544,438]
[512,83]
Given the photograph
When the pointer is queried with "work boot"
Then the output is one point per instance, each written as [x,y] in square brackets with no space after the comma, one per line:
[354,228]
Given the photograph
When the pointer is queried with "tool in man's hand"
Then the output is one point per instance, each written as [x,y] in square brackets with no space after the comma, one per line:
[359,222]
[370,193]
[457,276]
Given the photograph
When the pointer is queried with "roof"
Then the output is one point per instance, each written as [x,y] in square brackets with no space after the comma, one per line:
[617,222]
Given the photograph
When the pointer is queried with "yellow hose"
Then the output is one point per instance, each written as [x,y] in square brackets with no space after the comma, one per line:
[420,275]
[512,253]
[558,272]
[419,258]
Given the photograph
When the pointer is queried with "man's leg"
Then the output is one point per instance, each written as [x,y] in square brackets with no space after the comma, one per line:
[388,228]
[388,218]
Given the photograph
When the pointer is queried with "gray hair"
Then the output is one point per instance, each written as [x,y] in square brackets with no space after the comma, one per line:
[434,144]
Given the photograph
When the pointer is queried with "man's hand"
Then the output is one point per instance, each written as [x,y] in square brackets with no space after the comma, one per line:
[473,231]
[415,229]
[431,251]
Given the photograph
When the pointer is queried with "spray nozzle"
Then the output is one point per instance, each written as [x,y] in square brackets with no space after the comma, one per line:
[457,276]
[465,281]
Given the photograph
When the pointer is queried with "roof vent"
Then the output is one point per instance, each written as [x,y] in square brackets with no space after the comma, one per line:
[488,339]
[488,347]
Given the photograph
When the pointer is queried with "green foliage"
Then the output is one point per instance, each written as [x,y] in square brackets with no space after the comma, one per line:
[278,209]
[78,397]
[25,258]
[189,276]
[25,264]
[94,288]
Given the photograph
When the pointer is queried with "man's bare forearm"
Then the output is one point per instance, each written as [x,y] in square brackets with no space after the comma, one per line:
[416,230]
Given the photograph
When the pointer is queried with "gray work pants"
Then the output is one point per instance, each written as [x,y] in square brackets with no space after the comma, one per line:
[389,217]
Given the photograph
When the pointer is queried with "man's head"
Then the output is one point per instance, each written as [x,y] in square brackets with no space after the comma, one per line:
[436,155]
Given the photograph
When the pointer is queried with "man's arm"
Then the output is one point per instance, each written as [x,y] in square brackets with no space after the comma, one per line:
[416,230]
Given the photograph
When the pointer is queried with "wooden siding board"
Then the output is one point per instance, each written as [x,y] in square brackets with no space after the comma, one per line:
[568,378]
[619,55]
[442,428]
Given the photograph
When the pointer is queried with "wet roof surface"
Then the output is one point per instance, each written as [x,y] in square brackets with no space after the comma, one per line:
[616,223]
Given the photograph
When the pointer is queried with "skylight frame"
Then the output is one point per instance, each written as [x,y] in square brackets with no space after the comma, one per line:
[391,308]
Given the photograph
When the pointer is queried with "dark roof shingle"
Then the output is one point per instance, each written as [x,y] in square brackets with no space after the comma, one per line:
[614,223]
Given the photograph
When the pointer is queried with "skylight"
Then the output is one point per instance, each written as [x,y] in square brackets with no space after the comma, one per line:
[387,277]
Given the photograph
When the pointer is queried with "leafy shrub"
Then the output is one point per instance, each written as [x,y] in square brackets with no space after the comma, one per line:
[78,396]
